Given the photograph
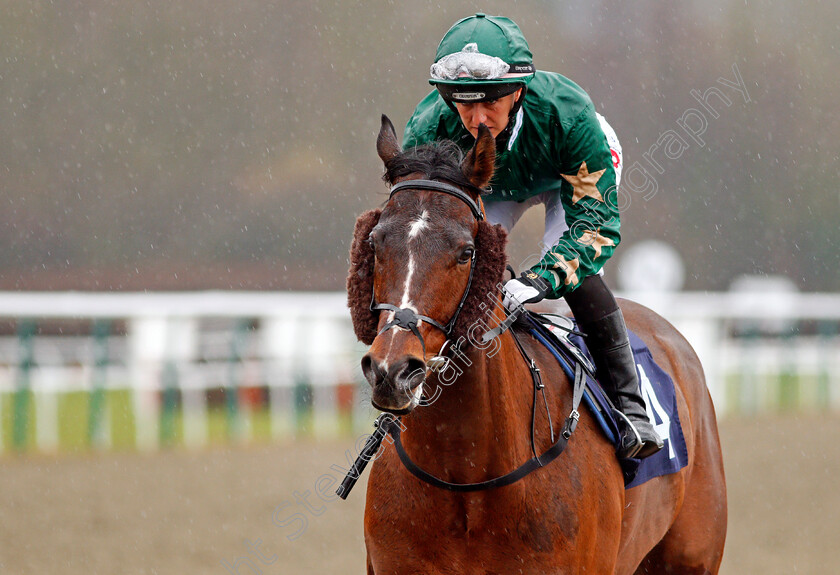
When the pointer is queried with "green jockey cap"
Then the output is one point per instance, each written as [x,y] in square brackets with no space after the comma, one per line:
[481,58]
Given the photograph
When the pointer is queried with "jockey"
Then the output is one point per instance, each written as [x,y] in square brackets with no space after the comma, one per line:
[552,149]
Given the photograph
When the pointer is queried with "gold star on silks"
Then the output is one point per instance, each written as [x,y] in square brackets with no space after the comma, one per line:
[584,183]
[569,268]
[595,240]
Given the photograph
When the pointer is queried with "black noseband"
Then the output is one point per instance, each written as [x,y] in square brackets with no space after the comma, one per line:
[406,318]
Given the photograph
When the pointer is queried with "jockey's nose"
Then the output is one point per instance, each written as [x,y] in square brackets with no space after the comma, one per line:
[479,115]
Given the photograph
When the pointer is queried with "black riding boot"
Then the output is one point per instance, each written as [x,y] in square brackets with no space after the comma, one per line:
[609,345]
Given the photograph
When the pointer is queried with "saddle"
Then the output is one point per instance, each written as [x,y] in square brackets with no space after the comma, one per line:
[559,335]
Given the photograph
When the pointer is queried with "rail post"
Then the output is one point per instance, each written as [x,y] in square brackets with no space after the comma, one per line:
[344,398]
[233,408]
[827,330]
[169,401]
[303,397]
[20,417]
[788,376]
[101,358]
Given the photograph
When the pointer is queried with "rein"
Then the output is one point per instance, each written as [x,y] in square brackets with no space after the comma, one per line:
[549,455]
[388,424]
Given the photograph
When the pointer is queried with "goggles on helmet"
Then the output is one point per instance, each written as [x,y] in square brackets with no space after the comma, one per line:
[470,76]
[469,63]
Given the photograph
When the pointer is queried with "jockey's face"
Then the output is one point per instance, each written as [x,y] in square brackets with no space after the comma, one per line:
[494,114]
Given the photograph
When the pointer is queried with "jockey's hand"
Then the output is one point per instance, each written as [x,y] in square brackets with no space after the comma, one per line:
[528,288]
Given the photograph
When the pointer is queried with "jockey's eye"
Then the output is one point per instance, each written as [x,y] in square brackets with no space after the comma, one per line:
[466,255]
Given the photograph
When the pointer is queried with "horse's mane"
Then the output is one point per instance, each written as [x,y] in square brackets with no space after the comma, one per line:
[435,161]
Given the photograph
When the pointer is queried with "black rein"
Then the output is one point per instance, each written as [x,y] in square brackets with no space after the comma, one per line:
[387,424]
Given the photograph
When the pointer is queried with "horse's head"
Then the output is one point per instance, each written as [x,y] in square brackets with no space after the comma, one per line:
[422,267]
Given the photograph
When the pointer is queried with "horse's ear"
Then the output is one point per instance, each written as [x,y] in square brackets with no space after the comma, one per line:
[480,161]
[386,143]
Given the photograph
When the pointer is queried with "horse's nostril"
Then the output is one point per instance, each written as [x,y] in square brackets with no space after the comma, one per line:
[371,372]
[413,372]
[405,374]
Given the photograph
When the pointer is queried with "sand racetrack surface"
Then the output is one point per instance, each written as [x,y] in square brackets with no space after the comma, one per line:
[188,512]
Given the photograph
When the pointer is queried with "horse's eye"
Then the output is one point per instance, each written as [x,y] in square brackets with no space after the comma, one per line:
[466,255]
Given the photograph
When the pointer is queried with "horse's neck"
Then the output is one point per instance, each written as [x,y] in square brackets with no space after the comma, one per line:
[482,420]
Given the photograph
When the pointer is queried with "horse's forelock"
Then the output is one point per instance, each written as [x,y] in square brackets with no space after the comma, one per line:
[435,161]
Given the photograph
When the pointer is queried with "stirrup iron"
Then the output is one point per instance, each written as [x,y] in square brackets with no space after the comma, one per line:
[627,428]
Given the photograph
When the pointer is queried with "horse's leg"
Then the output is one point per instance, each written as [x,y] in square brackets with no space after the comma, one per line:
[694,543]
[369,566]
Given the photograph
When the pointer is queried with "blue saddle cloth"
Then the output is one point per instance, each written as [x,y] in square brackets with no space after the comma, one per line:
[657,389]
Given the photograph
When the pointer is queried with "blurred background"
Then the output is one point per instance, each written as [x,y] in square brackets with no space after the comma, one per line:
[179,182]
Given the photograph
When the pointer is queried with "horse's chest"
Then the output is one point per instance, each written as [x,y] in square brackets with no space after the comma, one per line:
[529,527]
[503,531]
[480,542]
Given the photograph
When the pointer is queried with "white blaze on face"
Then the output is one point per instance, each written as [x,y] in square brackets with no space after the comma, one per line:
[418,395]
[414,230]
[418,225]
[406,301]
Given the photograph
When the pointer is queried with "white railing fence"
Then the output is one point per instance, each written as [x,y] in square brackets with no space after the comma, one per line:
[150,369]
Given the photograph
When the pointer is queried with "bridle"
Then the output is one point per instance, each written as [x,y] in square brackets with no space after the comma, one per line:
[407,318]
[388,424]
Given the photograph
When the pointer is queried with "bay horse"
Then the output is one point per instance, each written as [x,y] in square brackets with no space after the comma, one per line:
[429,256]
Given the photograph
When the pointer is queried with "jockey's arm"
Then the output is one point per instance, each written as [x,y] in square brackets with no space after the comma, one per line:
[589,196]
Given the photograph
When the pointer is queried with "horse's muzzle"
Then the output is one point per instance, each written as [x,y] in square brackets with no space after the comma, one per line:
[396,388]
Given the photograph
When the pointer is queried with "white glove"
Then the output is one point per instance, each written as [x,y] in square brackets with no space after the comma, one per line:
[524,290]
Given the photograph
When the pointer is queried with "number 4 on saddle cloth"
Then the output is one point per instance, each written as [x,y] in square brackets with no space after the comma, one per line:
[656,386]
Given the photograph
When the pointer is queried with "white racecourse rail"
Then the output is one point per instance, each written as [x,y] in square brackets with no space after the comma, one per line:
[755,348]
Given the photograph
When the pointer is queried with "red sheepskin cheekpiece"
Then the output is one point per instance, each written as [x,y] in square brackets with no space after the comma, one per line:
[490,242]
[360,278]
